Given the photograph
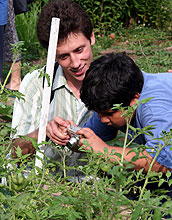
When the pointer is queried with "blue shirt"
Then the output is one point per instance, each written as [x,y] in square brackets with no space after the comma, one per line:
[3,12]
[157,112]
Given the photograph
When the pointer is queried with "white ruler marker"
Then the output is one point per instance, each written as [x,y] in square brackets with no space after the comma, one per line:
[47,89]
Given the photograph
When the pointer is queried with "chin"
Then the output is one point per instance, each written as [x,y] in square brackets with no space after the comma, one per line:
[81,77]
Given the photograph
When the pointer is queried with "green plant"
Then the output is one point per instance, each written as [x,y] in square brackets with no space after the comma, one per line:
[104,193]
[26,30]
[5,108]
[108,190]
[147,46]
[109,15]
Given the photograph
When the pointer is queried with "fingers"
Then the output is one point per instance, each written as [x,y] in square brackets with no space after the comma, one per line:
[170,71]
[72,123]
[56,130]
[86,132]
[61,121]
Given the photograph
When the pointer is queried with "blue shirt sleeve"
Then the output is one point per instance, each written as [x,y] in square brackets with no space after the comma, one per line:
[161,122]
[156,112]
[105,132]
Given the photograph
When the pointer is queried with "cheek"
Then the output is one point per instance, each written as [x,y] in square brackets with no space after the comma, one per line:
[63,63]
[118,121]
[123,121]
[87,54]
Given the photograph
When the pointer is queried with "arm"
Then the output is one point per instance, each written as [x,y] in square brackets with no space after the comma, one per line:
[98,146]
[26,113]
[56,130]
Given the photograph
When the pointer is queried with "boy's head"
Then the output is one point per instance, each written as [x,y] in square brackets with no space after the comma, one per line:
[111,79]
[73,19]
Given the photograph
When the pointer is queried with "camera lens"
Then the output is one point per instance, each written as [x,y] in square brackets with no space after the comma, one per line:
[73,142]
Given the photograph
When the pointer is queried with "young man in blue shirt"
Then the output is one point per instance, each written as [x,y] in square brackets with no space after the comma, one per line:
[115,79]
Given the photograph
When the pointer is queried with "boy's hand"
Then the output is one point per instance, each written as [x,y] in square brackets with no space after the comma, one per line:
[93,140]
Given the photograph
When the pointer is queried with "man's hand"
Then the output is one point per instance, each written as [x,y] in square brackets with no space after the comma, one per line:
[93,140]
[170,71]
[26,146]
[56,130]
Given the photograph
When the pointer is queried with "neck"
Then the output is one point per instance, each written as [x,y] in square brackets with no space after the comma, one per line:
[75,86]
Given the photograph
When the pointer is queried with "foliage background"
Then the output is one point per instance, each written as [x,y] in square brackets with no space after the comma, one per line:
[107,17]
[143,29]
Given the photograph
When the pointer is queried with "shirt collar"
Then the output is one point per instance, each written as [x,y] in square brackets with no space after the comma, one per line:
[60,79]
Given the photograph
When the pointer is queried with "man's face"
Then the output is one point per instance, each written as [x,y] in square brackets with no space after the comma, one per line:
[74,54]
[113,118]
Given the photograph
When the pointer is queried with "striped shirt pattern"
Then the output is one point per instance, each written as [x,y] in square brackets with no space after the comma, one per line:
[26,112]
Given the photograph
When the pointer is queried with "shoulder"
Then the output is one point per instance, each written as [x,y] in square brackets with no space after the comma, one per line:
[158,86]
[157,79]
[32,80]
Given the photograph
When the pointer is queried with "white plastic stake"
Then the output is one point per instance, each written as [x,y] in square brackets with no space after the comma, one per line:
[47,89]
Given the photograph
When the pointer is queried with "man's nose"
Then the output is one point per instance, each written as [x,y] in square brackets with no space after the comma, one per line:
[75,61]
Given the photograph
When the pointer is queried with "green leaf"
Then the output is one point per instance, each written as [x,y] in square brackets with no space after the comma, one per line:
[136,213]
[105,150]
[157,214]
[161,181]
[168,174]
[170,182]
[19,152]
[167,204]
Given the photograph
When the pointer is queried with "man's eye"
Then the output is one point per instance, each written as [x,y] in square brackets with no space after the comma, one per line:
[79,50]
[62,57]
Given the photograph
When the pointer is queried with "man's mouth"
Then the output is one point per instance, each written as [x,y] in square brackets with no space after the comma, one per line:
[79,71]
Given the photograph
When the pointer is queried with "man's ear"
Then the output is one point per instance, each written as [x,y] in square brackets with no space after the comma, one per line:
[92,38]
[133,101]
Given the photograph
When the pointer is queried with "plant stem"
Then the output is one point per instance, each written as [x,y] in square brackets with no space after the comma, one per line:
[39,184]
[8,75]
[149,170]
[64,164]
[125,142]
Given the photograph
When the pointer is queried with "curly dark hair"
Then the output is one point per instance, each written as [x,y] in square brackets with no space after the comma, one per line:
[73,19]
[111,79]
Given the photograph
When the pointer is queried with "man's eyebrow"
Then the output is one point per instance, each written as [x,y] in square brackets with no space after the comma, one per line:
[62,54]
[81,46]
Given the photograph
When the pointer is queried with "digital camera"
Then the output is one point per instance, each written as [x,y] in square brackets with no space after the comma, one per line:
[74,140]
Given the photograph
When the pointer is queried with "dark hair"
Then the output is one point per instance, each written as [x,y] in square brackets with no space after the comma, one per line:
[111,79]
[73,19]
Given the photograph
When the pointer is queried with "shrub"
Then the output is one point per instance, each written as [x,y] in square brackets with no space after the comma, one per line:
[109,15]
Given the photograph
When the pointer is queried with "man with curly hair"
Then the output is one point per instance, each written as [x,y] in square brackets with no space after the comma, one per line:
[74,55]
